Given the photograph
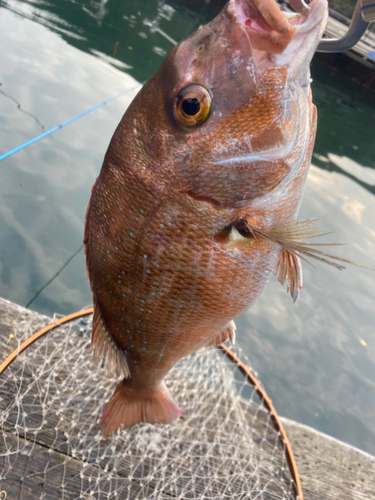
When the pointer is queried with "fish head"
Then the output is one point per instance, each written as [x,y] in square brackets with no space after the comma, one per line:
[231,105]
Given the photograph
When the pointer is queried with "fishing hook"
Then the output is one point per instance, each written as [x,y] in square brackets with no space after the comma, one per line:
[364,13]
[299,6]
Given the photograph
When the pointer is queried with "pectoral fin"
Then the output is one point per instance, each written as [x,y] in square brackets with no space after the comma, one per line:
[293,237]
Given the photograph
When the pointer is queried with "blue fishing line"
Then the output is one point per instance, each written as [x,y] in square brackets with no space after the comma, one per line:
[67,122]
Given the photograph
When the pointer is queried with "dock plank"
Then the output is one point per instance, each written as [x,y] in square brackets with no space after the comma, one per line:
[328,469]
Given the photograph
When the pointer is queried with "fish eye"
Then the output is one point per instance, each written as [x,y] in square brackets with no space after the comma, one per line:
[192,105]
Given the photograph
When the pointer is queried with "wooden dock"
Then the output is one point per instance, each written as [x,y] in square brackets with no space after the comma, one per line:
[329,469]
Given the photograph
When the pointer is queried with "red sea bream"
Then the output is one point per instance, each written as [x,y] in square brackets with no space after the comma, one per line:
[202,180]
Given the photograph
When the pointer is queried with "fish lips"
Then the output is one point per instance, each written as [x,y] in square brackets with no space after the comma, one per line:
[267,28]
[276,32]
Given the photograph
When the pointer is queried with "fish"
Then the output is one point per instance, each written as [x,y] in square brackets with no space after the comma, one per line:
[195,206]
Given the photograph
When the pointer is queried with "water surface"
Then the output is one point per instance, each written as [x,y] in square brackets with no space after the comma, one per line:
[58,58]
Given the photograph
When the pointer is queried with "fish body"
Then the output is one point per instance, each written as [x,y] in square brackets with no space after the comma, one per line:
[218,141]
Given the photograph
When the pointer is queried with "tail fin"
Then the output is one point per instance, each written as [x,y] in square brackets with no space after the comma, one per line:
[130,406]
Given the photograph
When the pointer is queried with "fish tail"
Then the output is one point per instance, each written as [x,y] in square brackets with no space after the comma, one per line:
[129,406]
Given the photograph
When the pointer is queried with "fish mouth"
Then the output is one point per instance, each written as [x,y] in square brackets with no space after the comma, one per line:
[277,32]
[267,136]
[289,39]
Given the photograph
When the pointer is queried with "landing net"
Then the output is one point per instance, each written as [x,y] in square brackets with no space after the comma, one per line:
[52,395]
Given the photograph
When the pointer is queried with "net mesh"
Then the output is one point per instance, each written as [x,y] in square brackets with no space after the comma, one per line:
[51,397]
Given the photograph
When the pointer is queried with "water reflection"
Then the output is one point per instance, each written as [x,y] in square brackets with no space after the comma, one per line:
[20,108]
[364,174]
[316,358]
[45,188]
[346,117]
[120,27]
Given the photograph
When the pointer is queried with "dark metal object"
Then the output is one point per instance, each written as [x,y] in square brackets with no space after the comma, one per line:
[364,8]
[299,6]
[364,13]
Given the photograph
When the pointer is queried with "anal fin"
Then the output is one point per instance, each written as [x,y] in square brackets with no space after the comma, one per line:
[229,332]
[105,350]
[289,267]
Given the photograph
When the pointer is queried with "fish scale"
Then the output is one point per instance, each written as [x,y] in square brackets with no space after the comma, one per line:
[176,234]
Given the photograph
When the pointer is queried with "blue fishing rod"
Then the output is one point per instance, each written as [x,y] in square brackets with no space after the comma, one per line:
[67,122]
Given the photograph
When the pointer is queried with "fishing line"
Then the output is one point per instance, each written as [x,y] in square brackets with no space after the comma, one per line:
[64,124]
[53,277]
[19,107]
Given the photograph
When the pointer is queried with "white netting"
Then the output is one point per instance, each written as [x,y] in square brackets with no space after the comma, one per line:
[52,396]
